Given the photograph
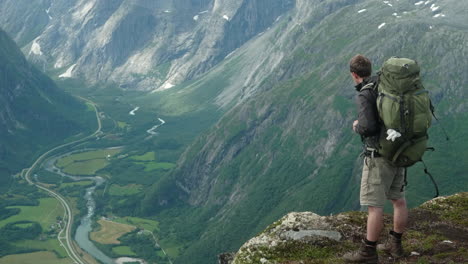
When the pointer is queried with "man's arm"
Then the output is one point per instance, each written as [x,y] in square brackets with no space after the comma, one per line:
[368,124]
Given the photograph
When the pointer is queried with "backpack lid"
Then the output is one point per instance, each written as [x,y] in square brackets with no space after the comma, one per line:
[400,67]
[399,75]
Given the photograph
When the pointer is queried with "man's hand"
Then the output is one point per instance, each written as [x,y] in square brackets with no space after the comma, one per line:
[355,123]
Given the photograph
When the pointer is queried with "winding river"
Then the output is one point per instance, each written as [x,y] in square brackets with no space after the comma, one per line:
[83,230]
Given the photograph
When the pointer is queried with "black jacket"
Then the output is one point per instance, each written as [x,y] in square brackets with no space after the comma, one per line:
[368,118]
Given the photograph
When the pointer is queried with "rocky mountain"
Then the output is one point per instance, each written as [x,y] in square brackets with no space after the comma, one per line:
[437,233]
[289,146]
[278,71]
[139,44]
[34,113]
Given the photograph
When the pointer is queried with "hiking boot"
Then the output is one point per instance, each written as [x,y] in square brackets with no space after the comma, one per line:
[392,246]
[366,254]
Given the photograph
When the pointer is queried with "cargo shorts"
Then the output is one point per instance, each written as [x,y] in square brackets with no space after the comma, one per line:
[381,181]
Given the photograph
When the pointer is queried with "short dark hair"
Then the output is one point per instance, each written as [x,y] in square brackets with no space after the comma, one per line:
[360,65]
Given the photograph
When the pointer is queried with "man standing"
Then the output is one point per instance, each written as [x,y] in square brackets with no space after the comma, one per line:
[380,180]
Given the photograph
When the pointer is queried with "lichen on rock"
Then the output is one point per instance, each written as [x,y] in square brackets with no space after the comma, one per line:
[437,233]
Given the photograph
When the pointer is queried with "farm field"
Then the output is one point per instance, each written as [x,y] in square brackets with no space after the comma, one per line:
[86,163]
[149,161]
[142,223]
[42,257]
[50,245]
[110,231]
[45,213]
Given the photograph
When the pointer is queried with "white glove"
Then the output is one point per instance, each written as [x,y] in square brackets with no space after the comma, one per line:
[392,135]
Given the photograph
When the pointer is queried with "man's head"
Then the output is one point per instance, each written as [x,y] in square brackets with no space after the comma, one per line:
[360,68]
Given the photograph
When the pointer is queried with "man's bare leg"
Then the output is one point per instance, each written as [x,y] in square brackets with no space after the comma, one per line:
[374,223]
[400,215]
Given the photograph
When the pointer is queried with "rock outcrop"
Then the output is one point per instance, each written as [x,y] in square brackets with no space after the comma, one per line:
[437,233]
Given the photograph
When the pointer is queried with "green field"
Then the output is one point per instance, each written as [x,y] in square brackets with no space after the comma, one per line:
[117,190]
[89,167]
[45,214]
[49,245]
[146,224]
[43,257]
[86,163]
[109,232]
[123,251]
[148,156]
[84,156]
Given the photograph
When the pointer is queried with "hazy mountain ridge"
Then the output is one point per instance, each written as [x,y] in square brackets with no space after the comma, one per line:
[140,44]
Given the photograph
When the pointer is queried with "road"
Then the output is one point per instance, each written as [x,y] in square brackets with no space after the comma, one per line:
[68,212]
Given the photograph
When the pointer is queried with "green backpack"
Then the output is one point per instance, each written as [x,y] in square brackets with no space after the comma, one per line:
[404,106]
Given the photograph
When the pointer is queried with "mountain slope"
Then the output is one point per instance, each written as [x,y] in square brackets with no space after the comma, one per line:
[150,45]
[35,114]
[289,146]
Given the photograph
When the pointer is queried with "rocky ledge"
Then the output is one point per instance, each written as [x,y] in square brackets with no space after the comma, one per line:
[437,233]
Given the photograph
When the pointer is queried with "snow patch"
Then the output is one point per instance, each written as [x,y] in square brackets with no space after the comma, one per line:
[134,110]
[431,27]
[389,4]
[381,25]
[226,17]
[434,7]
[427,2]
[68,73]
[36,48]
[439,15]
[362,10]
[196,18]
[395,14]
[167,11]
[203,12]
[166,86]
[419,3]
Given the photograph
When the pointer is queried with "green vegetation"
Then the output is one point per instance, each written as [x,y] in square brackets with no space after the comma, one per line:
[141,223]
[45,213]
[109,232]
[117,190]
[148,156]
[123,251]
[42,257]
[86,163]
[51,244]
[150,166]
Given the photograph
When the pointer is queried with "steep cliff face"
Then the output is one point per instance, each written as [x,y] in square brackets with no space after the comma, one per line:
[437,233]
[34,113]
[289,145]
[150,45]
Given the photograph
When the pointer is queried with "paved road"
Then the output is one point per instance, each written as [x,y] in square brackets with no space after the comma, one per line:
[68,212]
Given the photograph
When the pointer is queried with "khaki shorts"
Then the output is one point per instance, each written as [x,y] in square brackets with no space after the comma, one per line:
[381,181]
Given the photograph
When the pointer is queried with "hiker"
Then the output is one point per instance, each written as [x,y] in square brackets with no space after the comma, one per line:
[380,180]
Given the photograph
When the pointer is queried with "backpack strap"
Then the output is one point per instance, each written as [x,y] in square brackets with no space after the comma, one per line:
[433,114]
[432,179]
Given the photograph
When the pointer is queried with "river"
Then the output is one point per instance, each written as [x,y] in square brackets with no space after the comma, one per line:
[85,227]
